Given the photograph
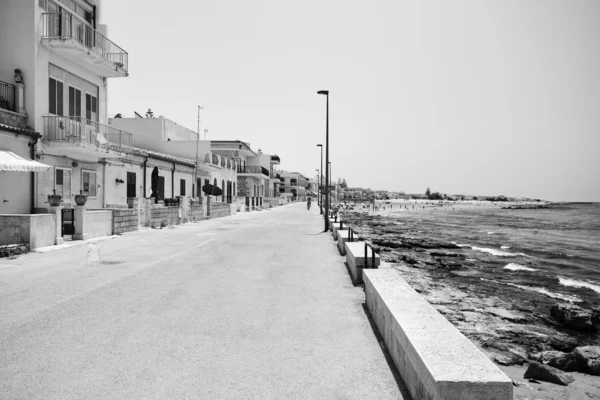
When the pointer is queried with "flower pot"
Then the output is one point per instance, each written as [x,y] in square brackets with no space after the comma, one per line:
[80,199]
[54,199]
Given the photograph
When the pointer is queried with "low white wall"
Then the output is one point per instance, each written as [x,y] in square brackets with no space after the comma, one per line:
[355,259]
[98,223]
[434,359]
[36,229]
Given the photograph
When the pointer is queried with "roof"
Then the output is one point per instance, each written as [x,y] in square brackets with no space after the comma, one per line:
[23,131]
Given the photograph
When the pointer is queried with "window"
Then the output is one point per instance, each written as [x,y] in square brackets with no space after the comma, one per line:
[59,177]
[55,101]
[131,189]
[182,187]
[74,102]
[91,107]
[88,179]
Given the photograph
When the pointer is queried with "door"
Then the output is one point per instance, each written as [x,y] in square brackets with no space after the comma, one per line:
[161,187]
[131,184]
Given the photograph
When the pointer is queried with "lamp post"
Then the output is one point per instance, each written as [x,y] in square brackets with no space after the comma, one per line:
[326,93]
[321,180]
[318,189]
[330,177]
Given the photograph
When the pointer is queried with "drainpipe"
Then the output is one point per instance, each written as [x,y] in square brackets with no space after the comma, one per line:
[104,184]
[145,164]
[173,182]
[32,145]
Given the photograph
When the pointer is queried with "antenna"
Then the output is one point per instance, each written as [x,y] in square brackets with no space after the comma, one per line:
[205,132]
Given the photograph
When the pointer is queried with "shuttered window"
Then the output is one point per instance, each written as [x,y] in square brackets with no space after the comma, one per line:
[88,179]
[55,100]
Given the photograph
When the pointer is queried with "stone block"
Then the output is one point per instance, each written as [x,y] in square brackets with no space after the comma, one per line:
[355,259]
[434,359]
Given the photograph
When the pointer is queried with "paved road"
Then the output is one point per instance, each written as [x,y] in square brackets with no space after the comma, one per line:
[252,306]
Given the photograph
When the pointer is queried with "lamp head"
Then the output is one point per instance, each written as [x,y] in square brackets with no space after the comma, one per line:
[319,145]
[325,92]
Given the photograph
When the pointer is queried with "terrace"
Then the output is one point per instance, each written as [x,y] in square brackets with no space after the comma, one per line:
[75,39]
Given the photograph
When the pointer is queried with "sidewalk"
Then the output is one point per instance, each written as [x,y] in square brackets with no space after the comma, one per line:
[253,306]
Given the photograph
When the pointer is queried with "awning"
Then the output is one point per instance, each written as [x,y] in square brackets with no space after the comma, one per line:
[10,161]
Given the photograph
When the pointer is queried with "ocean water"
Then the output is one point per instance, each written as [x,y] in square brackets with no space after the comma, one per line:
[554,252]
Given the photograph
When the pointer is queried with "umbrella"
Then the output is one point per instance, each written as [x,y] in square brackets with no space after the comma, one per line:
[212,190]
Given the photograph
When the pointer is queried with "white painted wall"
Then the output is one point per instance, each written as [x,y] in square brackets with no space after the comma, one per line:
[15,187]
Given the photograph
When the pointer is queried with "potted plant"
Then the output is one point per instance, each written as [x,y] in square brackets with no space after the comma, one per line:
[80,199]
[54,199]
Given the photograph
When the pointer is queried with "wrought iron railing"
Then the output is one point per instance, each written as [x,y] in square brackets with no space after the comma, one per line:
[67,25]
[81,130]
[253,170]
[7,96]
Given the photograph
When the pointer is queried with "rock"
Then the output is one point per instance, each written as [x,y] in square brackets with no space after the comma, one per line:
[574,316]
[505,314]
[557,359]
[546,373]
[588,359]
[445,254]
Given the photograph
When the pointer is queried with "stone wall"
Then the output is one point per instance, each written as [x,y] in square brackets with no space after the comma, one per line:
[218,210]
[242,187]
[13,119]
[125,220]
[196,212]
[164,216]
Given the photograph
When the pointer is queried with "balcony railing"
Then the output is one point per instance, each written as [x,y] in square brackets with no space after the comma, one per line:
[7,96]
[81,130]
[253,170]
[67,25]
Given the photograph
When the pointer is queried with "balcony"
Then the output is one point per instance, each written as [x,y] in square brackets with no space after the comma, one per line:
[87,140]
[275,160]
[73,38]
[256,171]
[7,96]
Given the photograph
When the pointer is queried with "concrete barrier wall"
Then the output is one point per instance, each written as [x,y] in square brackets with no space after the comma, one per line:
[355,259]
[37,230]
[98,223]
[434,359]
[125,220]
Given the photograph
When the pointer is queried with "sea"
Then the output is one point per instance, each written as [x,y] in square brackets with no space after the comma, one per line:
[552,251]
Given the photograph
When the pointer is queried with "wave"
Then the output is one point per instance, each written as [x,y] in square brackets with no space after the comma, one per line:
[572,299]
[498,253]
[577,283]
[518,267]
[504,247]
[491,233]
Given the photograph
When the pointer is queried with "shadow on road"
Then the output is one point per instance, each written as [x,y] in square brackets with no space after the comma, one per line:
[388,358]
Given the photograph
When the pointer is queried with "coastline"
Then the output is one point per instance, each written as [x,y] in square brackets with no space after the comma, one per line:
[507,323]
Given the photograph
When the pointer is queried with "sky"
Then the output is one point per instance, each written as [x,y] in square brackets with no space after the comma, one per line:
[465,96]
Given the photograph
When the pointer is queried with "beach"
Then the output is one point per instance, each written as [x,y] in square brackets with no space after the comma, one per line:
[496,270]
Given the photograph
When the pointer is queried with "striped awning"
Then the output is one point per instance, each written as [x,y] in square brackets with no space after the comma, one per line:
[10,161]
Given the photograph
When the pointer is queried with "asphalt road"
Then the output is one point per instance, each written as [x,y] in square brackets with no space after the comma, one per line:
[252,306]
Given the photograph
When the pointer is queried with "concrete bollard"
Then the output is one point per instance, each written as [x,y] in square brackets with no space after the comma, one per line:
[80,216]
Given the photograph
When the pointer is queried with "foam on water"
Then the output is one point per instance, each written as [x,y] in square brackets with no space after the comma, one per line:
[577,283]
[572,299]
[497,253]
[518,267]
[504,247]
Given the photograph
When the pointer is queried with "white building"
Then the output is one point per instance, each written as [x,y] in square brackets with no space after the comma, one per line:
[66,59]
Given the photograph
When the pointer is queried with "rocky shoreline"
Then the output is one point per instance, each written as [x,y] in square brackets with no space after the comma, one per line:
[511,326]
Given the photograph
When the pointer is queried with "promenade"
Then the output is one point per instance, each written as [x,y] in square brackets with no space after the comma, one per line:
[253,306]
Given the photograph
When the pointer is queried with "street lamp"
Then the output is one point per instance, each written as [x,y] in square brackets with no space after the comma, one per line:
[321,180]
[330,173]
[326,93]
[318,189]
